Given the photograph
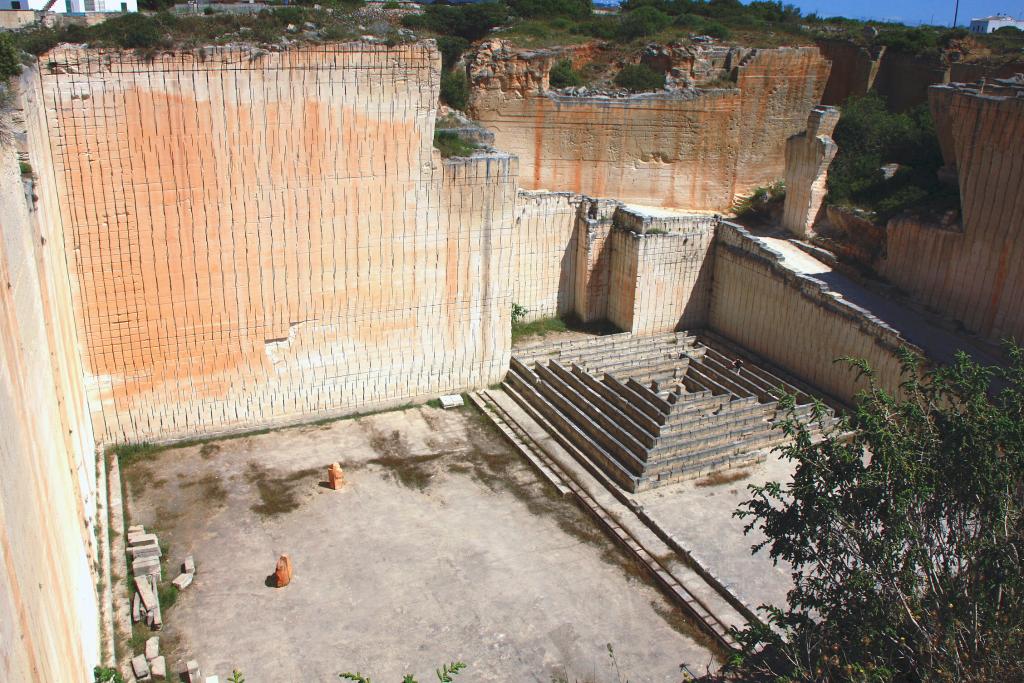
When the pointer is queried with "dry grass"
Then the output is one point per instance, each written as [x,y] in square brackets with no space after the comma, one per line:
[723,477]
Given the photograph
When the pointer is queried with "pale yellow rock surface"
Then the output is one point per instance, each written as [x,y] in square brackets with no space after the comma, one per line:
[689,149]
[262,237]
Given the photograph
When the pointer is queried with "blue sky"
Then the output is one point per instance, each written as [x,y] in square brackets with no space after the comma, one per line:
[911,11]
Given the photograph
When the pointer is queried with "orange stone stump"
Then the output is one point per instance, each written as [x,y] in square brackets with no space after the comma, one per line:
[335,476]
[283,572]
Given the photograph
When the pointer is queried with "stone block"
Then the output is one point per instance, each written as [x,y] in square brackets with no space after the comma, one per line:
[136,529]
[140,667]
[192,673]
[146,566]
[152,648]
[138,551]
[146,593]
[158,667]
[452,401]
[182,581]
[136,608]
[142,539]
[189,565]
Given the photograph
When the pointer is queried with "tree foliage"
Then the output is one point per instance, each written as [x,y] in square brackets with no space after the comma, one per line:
[455,89]
[640,78]
[906,538]
[869,136]
[576,9]
[564,76]
[10,64]
[471,22]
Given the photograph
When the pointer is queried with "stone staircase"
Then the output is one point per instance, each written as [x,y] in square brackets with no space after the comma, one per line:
[657,409]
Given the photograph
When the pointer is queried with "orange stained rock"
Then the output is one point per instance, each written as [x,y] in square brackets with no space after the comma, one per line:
[283,571]
[335,476]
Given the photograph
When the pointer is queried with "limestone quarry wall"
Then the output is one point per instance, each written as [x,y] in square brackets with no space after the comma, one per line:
[691,149]
[902,79]
[660,271]
[975,275]
[544,253]
[660,282]
[793,320]
[263,237]
[49,615]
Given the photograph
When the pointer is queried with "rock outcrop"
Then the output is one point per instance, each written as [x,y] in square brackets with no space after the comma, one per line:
[695,149]
[808,156]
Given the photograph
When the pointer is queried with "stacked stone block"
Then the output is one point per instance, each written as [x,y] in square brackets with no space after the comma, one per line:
[653,410]
[661,271]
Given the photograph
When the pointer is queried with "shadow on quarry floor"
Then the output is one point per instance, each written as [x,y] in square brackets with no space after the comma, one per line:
[442,545]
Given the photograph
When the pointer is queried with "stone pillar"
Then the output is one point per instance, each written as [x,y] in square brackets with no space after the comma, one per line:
[808,156]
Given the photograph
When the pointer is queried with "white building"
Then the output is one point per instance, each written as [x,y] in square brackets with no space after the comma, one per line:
[72,6]
[990,24]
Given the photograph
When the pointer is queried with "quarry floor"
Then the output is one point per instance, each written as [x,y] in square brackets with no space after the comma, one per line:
[443,545]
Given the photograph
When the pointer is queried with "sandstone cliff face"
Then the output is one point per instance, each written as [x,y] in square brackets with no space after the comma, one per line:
[975,275]
[259,237]
[691,149]
[49,611]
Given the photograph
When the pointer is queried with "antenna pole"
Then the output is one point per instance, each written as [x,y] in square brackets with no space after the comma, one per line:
[956,12]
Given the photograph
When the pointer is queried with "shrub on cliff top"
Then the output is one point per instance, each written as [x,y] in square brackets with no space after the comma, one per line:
[640,78]
[643,22]
[564,76]
[10,65]
[451,144]
[471,22]
[455,89]
[579,9]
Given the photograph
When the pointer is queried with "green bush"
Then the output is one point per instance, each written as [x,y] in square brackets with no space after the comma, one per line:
[130,31]
[870,136]
[643,22]
[10,64]
[450,144]
[103,674]
[451,48]
[577,9]
[471,22]
[716,30]
[455,89]
[761,200]
[603,28]
[564,76]
[156,5]
[911,41]
[640,78]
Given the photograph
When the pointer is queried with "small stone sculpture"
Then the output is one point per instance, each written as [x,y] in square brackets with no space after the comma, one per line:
[283,572]
[335,476]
